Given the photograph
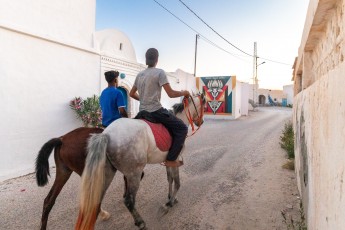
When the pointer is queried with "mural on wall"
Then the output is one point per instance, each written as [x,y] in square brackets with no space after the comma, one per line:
[218,92]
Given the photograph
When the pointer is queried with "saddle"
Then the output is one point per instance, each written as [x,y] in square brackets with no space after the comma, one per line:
[161,134]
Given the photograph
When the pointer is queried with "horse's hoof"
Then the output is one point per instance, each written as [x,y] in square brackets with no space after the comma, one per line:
[104,215]
[171,204]
[141,225]
[162,211]
[143,228]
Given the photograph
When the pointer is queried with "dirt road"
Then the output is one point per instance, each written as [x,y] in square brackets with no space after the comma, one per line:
[232,179]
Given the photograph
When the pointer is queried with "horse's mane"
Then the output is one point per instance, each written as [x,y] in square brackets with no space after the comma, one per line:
[177,108]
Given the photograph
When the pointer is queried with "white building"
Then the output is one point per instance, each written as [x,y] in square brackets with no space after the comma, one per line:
[288,93]
[50,54]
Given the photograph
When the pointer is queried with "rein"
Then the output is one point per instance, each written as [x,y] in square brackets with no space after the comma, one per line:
[189,116]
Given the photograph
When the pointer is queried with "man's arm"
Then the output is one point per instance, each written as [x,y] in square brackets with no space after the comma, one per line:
[173,93]
[123,112]
[133,93]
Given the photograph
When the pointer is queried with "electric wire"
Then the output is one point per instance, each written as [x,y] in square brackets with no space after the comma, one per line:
[214,30]
[202,36]
[215,45]
[226,39]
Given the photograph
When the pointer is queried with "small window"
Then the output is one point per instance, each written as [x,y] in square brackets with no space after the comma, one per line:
[120,46]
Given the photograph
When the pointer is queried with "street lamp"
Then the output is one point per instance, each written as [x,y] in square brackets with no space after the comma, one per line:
[261,63]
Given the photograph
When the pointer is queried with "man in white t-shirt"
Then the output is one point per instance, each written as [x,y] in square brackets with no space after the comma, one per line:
[149,83]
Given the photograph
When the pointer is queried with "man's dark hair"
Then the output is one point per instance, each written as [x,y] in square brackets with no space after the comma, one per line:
[151,57]
[111,75]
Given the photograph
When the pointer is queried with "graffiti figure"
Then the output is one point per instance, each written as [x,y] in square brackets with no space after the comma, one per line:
[215,87]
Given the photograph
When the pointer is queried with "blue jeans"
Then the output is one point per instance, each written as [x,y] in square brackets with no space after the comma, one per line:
[177,129]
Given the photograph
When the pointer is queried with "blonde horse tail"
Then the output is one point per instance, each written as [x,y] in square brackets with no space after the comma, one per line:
[92,184]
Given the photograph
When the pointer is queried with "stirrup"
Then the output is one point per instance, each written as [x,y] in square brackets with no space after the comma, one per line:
[172,164]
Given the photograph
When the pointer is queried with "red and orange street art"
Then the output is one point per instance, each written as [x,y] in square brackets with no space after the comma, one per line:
[218,91]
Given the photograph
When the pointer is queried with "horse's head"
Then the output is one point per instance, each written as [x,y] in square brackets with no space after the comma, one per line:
[191,111]
[195,107]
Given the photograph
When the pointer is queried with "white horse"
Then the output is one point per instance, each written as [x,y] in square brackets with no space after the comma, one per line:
[128,145]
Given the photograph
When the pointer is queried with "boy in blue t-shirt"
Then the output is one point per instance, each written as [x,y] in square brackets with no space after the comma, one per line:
[111,100]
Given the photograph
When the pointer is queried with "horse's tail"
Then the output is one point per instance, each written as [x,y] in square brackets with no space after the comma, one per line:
[92,184]
[42,163]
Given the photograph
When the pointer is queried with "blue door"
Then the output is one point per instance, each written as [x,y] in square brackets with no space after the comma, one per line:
[284,102]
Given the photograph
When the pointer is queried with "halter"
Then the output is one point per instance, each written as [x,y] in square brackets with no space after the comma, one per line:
[191,119]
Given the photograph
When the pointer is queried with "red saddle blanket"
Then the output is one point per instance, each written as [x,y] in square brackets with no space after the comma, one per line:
[161,134]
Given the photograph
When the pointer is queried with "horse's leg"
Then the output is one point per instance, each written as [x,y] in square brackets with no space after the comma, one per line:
[173,176]
[62,176]
[133,182]
[170,181]
[109,176]
[125,181]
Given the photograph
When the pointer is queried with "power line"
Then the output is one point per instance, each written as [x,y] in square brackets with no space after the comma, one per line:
[215,45]
[202,36]
[278,62]
[226,39]
[214,30]
[209,41]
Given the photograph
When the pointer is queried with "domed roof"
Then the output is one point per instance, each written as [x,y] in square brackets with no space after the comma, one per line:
[114,43]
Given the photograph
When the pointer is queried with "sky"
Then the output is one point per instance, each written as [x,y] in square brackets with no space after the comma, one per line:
[275,25]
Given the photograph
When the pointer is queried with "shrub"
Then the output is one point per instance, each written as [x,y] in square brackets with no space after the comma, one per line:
[88,110]
[287,140]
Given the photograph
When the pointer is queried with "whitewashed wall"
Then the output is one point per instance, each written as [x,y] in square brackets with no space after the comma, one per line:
[244,98]
[70,22]
[237,106]
[319,115]
[179,80]
[46,59]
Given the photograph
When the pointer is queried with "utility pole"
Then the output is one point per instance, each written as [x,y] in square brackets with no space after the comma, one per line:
[255,75]
[255,59]
[196,48]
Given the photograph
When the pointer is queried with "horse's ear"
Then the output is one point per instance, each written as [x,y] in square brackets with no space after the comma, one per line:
[203,97]
[193,94]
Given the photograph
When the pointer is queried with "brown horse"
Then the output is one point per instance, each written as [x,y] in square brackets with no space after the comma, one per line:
[70,154]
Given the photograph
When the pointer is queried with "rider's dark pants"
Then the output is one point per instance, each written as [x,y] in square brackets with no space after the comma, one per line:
[176,127]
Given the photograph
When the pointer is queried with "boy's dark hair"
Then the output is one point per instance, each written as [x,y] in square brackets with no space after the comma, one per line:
[151,57]
[111,75]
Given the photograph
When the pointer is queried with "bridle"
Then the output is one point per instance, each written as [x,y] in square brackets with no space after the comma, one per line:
[191,119]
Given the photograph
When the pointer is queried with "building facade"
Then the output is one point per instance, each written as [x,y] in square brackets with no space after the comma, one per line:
[319,115]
